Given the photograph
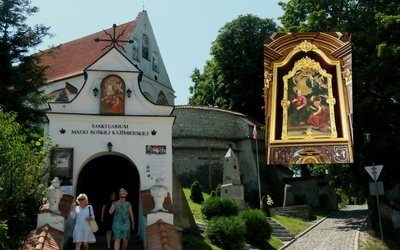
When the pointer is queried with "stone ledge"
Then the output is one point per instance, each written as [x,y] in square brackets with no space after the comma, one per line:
[299,211]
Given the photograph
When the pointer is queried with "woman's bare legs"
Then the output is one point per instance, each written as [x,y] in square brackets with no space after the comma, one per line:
[124,244]
[108,236]
[116,244]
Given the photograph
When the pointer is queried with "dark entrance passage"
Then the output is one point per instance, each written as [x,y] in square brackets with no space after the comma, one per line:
[105,174]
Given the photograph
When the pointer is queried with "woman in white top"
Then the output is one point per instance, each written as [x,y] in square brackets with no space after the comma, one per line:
[82,232]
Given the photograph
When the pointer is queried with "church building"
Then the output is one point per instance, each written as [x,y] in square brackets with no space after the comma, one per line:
[110,121]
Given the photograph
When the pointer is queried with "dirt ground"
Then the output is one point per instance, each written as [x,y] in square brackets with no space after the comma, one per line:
[370,240]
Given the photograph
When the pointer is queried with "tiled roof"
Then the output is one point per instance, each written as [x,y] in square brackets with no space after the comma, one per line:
[47,237]
[44,238]
[162,236]
[148,202]
[249,120]
[73,57]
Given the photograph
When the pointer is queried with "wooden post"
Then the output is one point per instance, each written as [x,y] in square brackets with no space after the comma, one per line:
[209,159]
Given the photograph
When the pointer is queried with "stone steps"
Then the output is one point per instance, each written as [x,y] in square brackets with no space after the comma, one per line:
[101,243]
[280,231]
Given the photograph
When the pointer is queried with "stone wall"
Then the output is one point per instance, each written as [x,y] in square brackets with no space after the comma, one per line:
[314,191]
[390,207]
[200,133]
[301,211]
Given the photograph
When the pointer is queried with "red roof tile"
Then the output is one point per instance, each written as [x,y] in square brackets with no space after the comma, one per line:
[44,238]
[47,237]
[73,57]
[163,236]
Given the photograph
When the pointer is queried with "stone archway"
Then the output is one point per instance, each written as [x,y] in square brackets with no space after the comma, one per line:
[109,173]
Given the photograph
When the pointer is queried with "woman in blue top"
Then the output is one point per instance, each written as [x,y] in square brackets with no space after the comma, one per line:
[121,227]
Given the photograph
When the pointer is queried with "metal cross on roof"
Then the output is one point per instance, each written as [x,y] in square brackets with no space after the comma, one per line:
[113,40]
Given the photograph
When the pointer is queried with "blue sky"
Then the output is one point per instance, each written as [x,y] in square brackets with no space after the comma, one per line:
[184,29]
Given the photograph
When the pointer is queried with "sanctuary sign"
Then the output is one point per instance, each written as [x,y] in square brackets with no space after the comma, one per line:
[109,129]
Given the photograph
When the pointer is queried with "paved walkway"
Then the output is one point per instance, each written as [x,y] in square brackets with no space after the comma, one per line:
[338,231]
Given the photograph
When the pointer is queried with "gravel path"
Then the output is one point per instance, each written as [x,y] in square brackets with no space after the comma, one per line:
[338,231]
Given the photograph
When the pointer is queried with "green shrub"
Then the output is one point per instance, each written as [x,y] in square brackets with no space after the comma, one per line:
[3,234]
[258,228]
[226,232]
[196,194]
[216,206]
[218,190]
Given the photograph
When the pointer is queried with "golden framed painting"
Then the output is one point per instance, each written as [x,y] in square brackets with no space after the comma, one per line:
[112,95]
[307,89]
[308,102]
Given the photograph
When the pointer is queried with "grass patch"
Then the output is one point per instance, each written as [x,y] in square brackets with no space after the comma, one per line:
[274,243]
[295,226]
[391,237]
[190,242]
[194,207]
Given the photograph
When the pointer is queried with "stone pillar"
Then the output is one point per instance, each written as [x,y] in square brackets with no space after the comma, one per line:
[288,199]
[54,195]
[232,186]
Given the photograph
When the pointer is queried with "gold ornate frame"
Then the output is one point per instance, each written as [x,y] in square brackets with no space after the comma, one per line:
[332,100]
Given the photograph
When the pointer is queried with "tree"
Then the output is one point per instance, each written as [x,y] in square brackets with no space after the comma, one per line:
[233,78]
[22,185]
[22,77]
[196,195]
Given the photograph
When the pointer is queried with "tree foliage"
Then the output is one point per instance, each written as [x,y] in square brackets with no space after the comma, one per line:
[226,232]
[196,194]
[233,77]
[21,76]
[22,185]
[22,154]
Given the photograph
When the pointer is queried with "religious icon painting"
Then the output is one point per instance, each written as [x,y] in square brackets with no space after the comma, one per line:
[61,163]
[308,102]
[112,95]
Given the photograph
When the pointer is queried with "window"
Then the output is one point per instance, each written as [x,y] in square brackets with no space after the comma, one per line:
[135,50]
[145,47]
[154,62]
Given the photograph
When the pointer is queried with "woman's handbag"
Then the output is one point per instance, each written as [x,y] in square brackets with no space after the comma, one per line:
[92,222]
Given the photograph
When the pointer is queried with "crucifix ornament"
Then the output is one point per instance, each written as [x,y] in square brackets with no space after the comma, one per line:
[113,40]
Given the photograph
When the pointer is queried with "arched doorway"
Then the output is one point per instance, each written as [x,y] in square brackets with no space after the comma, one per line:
[109,173]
